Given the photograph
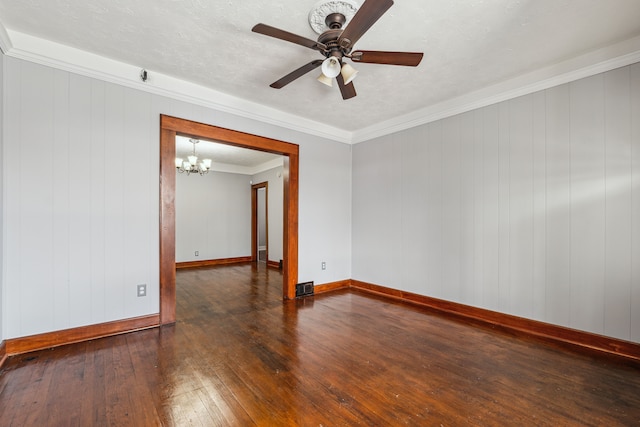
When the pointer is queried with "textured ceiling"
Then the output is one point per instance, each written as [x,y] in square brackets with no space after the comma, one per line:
[468,45]
[250,161]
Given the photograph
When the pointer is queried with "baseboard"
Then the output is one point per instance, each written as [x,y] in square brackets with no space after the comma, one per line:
[546,331]
[3,353]
[273,264]
[333,286]
[83,333]
[213,262]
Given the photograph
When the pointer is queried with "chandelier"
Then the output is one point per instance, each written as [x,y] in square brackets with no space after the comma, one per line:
[191,165]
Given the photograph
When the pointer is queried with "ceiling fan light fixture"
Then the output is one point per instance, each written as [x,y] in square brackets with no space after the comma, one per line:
[331,67]
[325,80]
[348,73]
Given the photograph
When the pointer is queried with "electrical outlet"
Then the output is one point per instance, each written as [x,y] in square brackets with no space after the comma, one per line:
[142,290]
[197,253]
[324,265]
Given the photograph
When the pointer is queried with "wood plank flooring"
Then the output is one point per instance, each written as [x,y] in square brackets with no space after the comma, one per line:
[240,356]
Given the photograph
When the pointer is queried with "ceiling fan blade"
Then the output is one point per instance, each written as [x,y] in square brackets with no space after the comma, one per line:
[365,17]
[277,33]
[411,59]
[347,90]
[296,73]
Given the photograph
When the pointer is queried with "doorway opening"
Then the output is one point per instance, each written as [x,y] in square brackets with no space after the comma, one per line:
[172,126]
[260,222]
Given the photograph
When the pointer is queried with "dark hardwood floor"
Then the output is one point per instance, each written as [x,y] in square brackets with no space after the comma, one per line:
[240,356]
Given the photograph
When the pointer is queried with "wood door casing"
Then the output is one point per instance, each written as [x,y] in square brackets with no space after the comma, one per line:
[172,126]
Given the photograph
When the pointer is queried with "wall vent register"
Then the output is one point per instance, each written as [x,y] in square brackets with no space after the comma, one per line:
[304,289]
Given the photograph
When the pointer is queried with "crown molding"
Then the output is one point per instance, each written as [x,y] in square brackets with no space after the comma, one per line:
[56,55]
[247,170]
[599,61]
[271,164]
[5,41]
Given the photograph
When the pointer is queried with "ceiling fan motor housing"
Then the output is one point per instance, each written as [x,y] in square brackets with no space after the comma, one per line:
[330,39]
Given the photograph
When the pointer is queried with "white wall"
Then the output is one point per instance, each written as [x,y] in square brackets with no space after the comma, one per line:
[81,198]
[213,216]
[529,207]
[326,176]
[1,198]
[275,208]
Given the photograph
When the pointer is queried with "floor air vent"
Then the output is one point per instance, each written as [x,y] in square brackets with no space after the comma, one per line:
[304,289]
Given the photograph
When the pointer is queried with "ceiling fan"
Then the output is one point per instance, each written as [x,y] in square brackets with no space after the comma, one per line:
[345,24]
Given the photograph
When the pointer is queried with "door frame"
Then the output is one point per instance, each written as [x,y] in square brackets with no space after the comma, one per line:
[254,219]
[172,126]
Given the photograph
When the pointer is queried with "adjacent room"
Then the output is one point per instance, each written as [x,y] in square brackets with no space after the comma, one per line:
[352,212]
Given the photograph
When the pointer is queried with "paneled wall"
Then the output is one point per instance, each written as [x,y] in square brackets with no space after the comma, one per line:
[323,177]
[275,206]
[529,207]
[81,204]
[81,197]
[213,216]
[1,198]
